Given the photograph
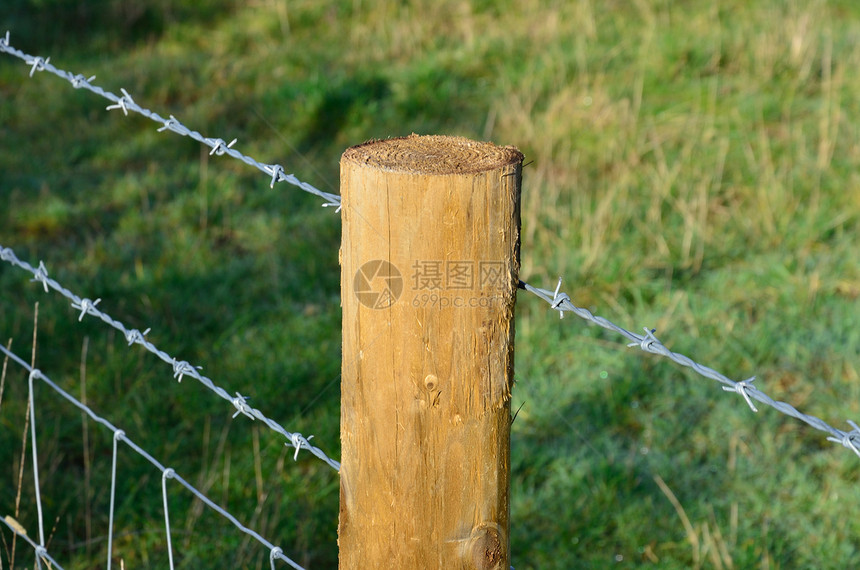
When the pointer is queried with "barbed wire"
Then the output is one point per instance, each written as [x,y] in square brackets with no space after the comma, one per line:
[561,302]
[126,103]
[275,553]
[181,368]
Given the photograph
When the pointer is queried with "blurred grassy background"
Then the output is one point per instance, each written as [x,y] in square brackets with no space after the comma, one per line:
[695,169]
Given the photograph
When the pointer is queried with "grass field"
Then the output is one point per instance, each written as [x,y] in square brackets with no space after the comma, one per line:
[694,167]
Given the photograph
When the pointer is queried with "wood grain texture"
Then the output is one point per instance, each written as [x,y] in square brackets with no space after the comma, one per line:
[429,268]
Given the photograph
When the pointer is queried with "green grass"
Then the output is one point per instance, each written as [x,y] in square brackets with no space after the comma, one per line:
[695,169]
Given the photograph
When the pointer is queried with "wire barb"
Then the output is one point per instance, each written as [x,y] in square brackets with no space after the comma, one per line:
[558,299]
[849,439]
[743,387]
[242,407]
[85,306]
[122,102]
[135,335]
[38,64]
[182,367]
[41,275]
[647,342]
[80,81]
[336,204]
[219,147]
[276,170]
[297,440]
[169,124]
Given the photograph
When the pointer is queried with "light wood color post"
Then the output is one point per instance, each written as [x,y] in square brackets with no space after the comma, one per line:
[429,272]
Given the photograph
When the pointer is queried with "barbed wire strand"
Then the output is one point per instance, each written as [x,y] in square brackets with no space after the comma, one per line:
[181,368]
[40,551]
[167,472]
[561,302]
[126,103]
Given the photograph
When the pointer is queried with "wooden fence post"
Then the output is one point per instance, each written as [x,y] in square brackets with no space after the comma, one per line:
[429,271]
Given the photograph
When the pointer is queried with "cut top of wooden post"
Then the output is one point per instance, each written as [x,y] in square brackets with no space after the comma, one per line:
[429,268]
[434,154]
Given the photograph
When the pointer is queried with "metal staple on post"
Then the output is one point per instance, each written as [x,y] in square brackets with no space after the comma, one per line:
[119,434]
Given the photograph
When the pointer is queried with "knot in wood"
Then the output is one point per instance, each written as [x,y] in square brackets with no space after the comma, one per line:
[487,547]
